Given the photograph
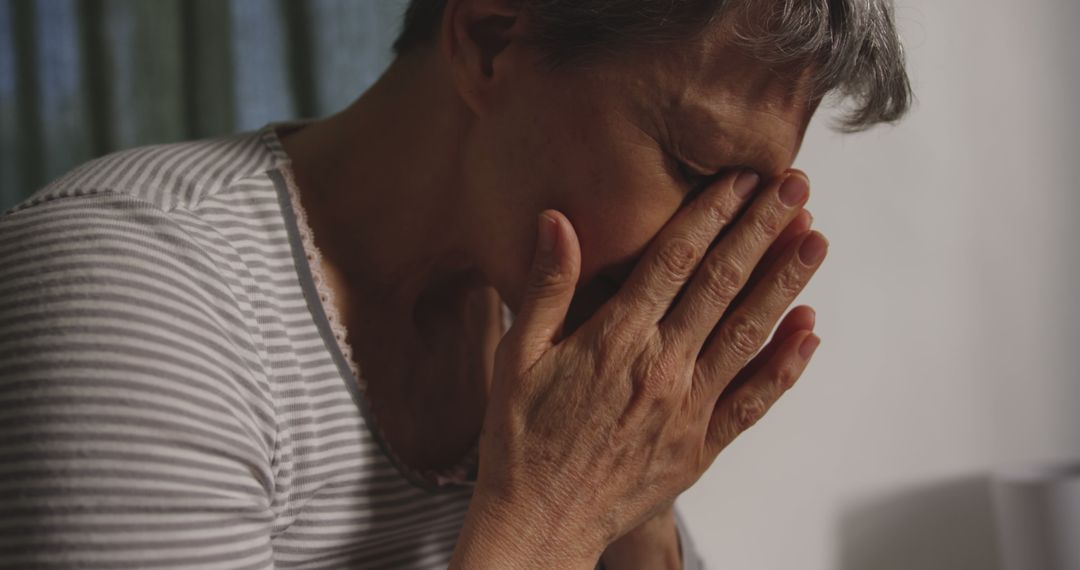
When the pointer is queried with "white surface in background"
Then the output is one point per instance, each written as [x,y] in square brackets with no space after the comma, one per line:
[947,309]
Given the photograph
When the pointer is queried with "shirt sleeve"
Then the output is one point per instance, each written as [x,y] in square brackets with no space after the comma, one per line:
[691,558]
[132,434]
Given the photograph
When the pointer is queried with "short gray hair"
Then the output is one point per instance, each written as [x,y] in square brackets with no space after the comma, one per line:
[852,44]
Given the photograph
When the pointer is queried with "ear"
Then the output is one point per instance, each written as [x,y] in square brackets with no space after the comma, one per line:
[474,39]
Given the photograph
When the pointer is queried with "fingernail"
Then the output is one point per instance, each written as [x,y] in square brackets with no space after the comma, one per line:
[794,190]
[813,248]
[746,183]
[808,346]
[546,240]
[810,218]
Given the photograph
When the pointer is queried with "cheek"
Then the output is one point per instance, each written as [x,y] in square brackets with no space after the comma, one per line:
[615,189]
[611,185]
[615,225]
[616,231]
[617,202]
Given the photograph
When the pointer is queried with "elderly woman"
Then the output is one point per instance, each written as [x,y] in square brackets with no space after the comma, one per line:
[498,313]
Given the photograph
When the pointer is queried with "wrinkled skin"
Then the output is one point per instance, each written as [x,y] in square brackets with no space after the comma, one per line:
[603,410]
[610,146]
[591,434]
[616,387]
[617,148]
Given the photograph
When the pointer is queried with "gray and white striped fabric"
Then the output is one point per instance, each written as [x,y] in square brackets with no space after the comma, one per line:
[171,394]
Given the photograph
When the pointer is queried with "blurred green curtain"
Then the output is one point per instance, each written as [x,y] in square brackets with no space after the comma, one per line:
[82,78]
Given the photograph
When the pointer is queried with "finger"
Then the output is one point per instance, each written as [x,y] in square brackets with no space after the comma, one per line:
[801,318]
[727,268]
[549,288]
[795,230]
[737,412]
[798,226]
[675,252]
[738,336]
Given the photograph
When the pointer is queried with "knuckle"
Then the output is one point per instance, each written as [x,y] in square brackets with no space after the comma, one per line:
[717,212]
[742,335]
[789,281]
[603,366]
[722,281]
[703,375]
[764,224]
[676,258]
[746,411]
[653,386]
[609,355]
[614,332]
[784,378]
[655,374]
[613,342]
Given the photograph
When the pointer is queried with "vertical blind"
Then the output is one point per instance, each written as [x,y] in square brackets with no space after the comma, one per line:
[82,78]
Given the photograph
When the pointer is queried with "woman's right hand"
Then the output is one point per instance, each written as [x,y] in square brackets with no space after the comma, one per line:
[587,436]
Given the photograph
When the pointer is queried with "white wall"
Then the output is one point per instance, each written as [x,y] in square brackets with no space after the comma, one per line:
[947,309]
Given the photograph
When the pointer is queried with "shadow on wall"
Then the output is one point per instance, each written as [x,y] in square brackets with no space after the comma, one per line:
[943,526]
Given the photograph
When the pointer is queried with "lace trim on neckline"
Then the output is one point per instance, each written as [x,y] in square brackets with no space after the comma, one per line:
[462,472]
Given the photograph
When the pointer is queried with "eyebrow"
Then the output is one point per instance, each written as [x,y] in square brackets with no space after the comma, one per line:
[738,148]
[755,152]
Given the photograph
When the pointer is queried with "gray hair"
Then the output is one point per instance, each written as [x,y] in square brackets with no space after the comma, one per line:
[852,45]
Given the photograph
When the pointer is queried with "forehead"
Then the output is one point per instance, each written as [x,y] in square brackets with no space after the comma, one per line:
[714,97]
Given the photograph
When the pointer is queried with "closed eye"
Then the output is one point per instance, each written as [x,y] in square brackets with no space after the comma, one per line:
[688,175]
[687,171]
[693,179]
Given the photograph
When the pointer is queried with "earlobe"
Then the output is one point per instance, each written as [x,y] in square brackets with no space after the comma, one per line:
[473,37]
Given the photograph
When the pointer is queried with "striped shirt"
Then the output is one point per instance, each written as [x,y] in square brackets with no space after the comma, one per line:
[174,391]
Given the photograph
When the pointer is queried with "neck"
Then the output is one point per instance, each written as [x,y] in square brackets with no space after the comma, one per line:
[382,190]
[380,183]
